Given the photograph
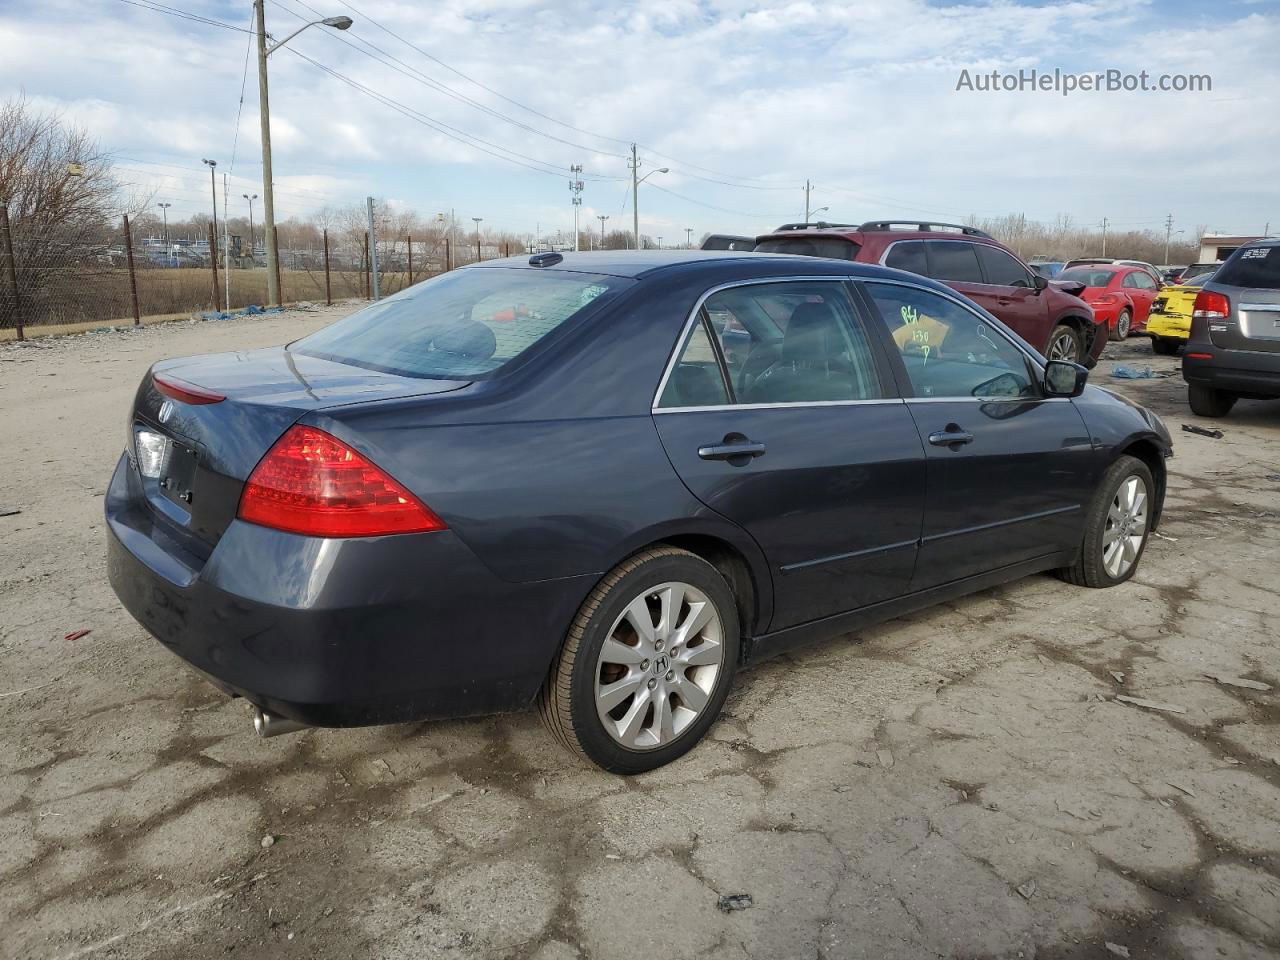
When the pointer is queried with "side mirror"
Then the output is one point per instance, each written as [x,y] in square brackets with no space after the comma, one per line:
[1039,281]
[1062,378]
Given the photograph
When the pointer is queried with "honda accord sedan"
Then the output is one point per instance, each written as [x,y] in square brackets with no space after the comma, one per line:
[601,483]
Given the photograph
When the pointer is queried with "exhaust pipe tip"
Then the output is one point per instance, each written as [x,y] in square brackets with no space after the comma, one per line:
[272,725]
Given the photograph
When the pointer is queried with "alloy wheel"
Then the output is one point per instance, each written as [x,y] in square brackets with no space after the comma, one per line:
[1126,527]
[658,666]
[1123,324]
[1063,347]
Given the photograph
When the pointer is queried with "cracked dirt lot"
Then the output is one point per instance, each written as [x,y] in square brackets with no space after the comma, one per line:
[956,784]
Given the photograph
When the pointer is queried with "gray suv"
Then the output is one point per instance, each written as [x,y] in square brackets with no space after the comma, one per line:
[1234,349]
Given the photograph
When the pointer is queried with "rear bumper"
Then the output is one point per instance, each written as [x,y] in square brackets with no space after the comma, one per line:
[1248,373]
[340,632]
[1170,326]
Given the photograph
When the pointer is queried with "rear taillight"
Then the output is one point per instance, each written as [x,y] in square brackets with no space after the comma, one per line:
[1211,306]
[1104,298]
[179,389]
[312,483]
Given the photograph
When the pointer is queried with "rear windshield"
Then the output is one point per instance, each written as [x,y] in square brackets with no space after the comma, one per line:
[835,248]
[461,325]
[1252,267]
[1090,278]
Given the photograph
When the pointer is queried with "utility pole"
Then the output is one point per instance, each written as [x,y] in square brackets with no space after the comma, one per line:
[807,185]
[602,217]
[213,189]
[575,187]
[659,243]
[226,240]
[164,212]
[478,221]
[264,120]
[373,251]
[1168,233]
[251,234]
[635,194]
[688,237]
[1105,221]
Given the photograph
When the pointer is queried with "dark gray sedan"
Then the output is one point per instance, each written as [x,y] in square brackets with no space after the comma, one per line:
[602,483]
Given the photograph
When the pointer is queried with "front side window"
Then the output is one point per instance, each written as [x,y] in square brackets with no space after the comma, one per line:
[1002,269]
[780,343]
[950,351]
[954,260]
[1143,281]
[461,325]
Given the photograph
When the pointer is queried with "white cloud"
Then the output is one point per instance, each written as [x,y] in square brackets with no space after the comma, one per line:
[858,97]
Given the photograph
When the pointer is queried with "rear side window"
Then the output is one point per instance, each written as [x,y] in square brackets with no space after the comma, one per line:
[1252,267]
[793,342]
[908,255]
[1000,268]
[462,325]
[835,248]
[953,260]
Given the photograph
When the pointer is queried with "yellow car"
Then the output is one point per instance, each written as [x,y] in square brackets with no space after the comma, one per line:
[1169,322]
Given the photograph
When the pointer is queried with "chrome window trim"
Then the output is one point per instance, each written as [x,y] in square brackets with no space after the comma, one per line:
[842,279]
[782,406]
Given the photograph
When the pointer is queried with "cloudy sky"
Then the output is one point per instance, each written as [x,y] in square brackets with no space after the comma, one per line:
[480,106]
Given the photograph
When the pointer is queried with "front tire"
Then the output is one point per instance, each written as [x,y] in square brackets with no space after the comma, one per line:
[1165,346]
[1123,323]
[1064,344]
[1208,402]
[647,663]
[1117,526]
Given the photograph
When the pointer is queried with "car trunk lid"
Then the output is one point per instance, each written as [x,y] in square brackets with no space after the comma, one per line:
[219,414]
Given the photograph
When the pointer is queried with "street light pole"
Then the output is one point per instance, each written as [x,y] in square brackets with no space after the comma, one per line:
[264,119]
[478,221]
[636,180]
[250,199]
[164,212]
[688,237]
[213,189]
[602,217]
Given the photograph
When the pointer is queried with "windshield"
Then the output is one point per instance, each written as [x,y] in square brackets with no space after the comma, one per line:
[461,325]
[1089,277]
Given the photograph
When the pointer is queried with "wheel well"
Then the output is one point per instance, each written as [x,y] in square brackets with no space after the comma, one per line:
[1150,454]
[733,567]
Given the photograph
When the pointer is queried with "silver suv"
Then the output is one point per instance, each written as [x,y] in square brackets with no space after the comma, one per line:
[1234,349]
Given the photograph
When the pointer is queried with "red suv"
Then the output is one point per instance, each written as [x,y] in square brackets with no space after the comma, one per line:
[1042,312]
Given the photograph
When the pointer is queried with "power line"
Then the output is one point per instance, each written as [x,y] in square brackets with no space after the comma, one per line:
[709,206]
[511,156]
[244,78]
[538,113]
[156,7]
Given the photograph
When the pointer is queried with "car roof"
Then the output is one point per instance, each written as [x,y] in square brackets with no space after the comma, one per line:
[729,264]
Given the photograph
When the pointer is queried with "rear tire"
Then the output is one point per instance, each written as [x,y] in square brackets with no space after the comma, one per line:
[1064,344]
[1165,346]
[1115,522]
[1123,323]
[670,623]
[1208,402]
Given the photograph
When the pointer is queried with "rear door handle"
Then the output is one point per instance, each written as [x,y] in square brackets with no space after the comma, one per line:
[952,437]
[731,451]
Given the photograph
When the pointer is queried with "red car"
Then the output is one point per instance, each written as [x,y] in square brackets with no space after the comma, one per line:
[1120,295]
[1043,312]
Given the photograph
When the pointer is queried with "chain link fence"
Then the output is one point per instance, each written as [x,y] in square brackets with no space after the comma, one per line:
[53,277]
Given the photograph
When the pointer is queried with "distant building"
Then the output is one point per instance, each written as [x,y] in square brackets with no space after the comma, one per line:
[1215,248]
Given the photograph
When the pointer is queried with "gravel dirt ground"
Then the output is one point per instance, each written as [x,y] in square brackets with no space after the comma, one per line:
[960,783]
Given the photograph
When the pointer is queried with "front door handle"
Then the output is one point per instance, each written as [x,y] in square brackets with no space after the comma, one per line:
[952,437]
[732,450]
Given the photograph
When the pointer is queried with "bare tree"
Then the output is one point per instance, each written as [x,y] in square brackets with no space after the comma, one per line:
[62,199]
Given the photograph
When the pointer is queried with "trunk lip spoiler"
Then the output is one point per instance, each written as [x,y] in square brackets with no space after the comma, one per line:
[184,391]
